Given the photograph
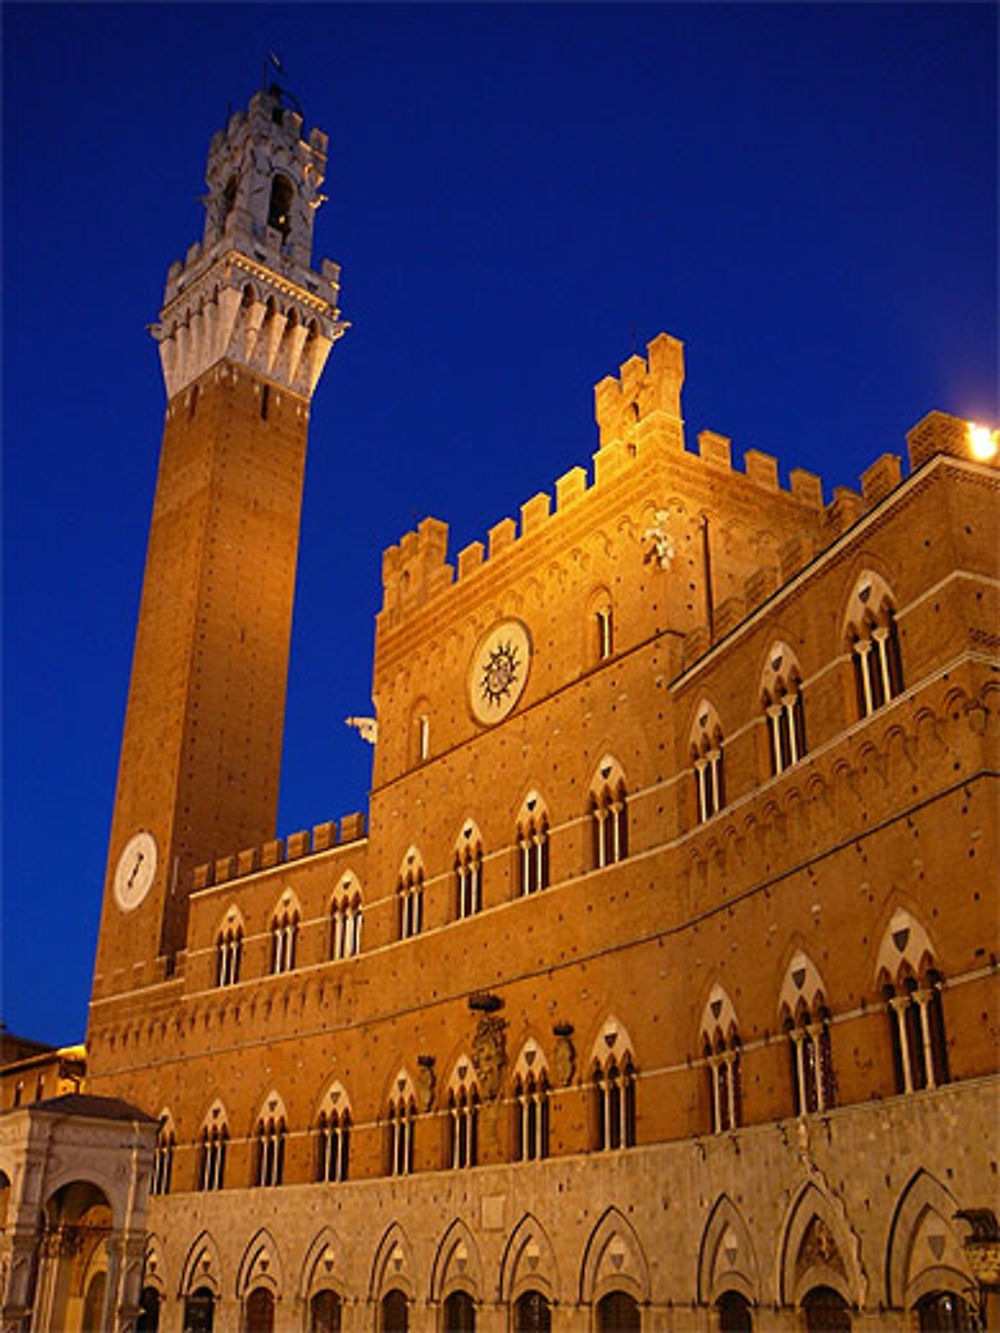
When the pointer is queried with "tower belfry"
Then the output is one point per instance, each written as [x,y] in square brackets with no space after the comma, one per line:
[246,327]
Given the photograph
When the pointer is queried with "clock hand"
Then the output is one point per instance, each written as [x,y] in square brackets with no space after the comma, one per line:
[135,869]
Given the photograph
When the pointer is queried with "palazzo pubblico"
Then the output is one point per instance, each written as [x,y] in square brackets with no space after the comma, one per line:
[656,987]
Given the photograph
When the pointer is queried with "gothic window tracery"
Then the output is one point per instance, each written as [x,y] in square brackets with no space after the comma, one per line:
[609,814]
[720,1044]
[410,895]
[468,872]
[269,1148]
[163,1155]
[463,1116]
[707,760]
[229,950]
[873,636]
[346,918]
[532,846]
[212,1155]
[911,987]
[531,1105]
[284,935]
[402,1114]
[806,1019]
[784,712]
[333,1137]
[613,1080]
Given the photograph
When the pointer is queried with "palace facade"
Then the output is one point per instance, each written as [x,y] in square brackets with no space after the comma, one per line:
[655,988]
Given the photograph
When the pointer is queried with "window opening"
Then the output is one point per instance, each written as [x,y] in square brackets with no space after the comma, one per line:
[468,881]
[270,1151]
[531,1111]
[410,895]
[228,955]
[614,1094]
[333,1145]
[211,1175]
[279,212]
[284,935]
[324,1313]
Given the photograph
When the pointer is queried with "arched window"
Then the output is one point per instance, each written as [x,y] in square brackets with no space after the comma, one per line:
[826,1311]
[468,872]
[269,1157]
[284,934]
[911,988]
[873,636]
[333,1136]
[163,1156]
[707,759]
[229,949]
[410,895]
[532,846]
[214,1138]
[324,1312]
[613,1078]
[199,1311]
[532,1313]
[783,709]
[395,1312]
[720,1042]
[600,627]
[459,1313]
[149,1311]
[609,813]
[260,1311]
[345,918]
[463,1117]
[734,1313]
[531,1101]
[402,1114]
[617,1312]
[280,208]
[804,1016]
[946,1312]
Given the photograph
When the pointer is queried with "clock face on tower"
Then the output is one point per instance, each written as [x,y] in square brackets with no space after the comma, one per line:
[135,870]
[498,672]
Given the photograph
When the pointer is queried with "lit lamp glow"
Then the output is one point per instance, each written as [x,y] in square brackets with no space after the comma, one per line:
[983,442]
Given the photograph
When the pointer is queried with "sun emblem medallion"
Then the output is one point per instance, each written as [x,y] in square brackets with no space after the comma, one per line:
[499,671]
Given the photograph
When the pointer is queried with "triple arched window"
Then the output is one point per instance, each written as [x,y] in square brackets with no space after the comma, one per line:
[163,1156]
[468,872]
[613,1075]
[707,759]
[401,1119]
[531,1105]
[873,635]
[284,934]
[229,950]
[269,1147]
[410,895]
[781,691]
[911,987]
[345,918]
[212,1156]
[532,846]
[720,1042]
[333,1137]
[609,813]
[463,1117]
[806,1019]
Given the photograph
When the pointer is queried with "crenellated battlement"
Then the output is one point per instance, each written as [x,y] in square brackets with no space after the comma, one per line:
[646,392]
[280,851]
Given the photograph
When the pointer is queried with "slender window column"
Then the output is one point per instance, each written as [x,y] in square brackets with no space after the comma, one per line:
[713,765]
[338,933]
[714,1065]
[600,814]
[790,703]
[800,1071]
[899,1005]
[923,998]
[881,637]
[863,648]
[539,861]
[774,726]
[816,1035]
[616,832]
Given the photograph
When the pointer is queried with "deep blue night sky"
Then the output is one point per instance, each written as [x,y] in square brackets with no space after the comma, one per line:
[519,196]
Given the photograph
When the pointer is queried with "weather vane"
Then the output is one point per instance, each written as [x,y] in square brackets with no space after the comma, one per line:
[273,71]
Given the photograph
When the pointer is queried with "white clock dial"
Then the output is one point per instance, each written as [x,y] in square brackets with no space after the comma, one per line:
[135,870]
[498,672]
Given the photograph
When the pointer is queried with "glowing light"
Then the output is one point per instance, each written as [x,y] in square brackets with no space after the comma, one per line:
[983,442]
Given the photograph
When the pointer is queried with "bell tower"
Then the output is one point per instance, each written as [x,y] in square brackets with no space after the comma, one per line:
[245,330]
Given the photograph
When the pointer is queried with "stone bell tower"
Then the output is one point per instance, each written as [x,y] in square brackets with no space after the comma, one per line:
[246,327]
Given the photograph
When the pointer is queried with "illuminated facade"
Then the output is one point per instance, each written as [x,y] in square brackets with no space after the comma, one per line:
[656,987]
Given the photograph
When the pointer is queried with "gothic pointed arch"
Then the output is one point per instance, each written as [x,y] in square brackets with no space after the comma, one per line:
[818,1249]
[202,1266]
[154,1268]
[726,1259]
[528,1262]
[457,1264]
[613,1260]
[905,950]
[260,1265]
[392,1265]
[925,1253]
[869,600]
[532,844]
[802,986]
[323,1267]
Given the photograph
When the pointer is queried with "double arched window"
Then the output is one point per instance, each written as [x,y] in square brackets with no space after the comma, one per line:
[609,813]
[720,1043]
[873,636]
